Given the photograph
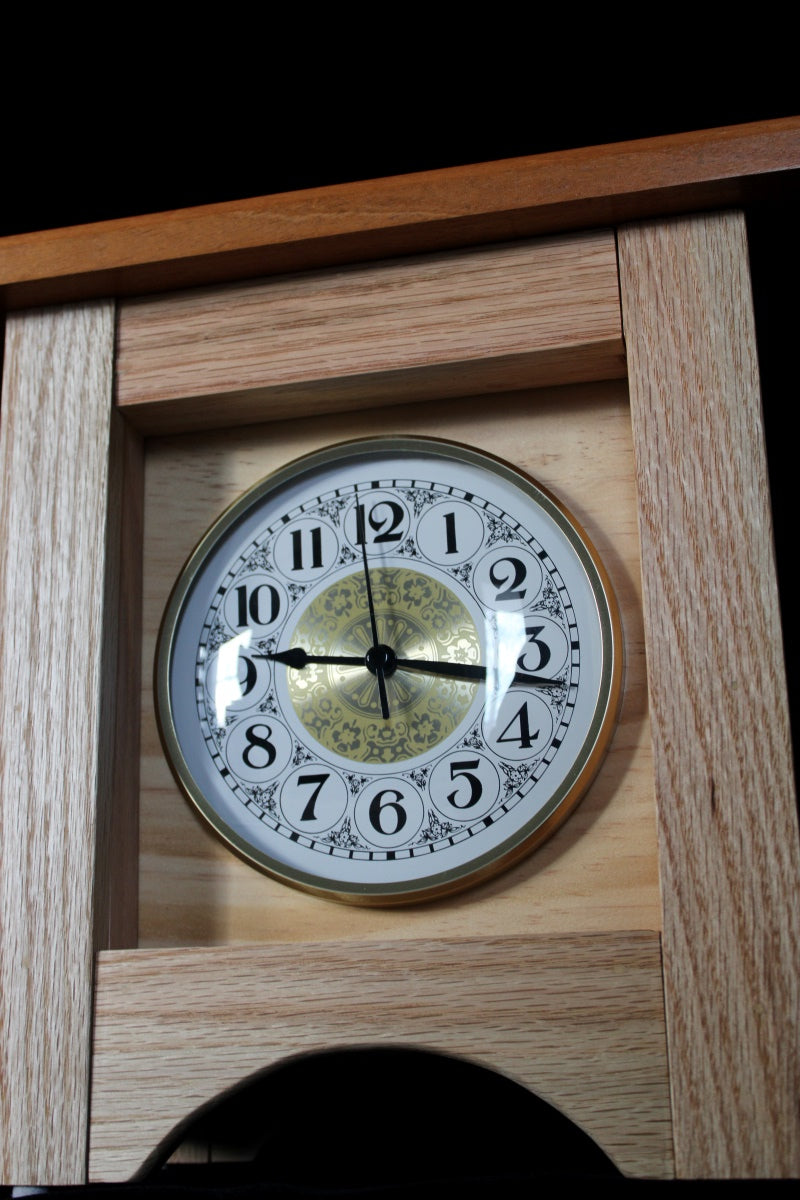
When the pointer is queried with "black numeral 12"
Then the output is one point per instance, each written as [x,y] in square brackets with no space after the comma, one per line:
[385,530]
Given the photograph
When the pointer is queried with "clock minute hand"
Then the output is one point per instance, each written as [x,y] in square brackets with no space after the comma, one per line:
[377,652]
[469,672]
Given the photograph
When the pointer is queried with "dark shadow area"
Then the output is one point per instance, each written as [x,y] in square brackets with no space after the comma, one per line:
[164,157]
[382,1118]
[774,245]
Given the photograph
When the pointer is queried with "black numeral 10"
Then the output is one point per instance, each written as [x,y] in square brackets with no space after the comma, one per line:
[261,605]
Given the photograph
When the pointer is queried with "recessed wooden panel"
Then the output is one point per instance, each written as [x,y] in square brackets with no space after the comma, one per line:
[577,1019]
[599,872]
[465,323]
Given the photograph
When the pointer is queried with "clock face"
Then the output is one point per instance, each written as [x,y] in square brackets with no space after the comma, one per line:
[389,670]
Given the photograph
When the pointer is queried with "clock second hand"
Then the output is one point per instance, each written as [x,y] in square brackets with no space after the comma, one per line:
[298,658]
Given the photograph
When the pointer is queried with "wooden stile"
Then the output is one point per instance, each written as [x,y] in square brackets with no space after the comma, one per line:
[725,794]
[55,443]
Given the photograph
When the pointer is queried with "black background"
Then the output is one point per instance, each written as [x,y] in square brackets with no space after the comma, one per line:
[67,164]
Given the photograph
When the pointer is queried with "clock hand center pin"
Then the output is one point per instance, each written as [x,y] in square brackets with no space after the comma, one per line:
[381,658]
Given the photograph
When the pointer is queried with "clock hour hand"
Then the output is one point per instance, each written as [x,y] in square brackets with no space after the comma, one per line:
[296,657]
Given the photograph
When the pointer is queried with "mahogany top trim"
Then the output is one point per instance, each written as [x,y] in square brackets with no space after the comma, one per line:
[407,214]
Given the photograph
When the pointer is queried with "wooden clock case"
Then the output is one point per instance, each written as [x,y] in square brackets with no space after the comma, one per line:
[640,971]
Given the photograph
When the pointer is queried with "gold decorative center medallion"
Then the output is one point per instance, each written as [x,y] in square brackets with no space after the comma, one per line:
[418,618]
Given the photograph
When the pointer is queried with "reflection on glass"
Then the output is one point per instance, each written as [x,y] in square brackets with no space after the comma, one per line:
[505,642]
[227,685]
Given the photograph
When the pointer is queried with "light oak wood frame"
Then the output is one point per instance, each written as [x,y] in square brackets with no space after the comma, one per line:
[727,820]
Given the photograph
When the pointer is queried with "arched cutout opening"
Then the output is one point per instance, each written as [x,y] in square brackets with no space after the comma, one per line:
[361,1117]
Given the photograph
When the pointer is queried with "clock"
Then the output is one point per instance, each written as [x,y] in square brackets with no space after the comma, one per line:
[389,670]
[397,309]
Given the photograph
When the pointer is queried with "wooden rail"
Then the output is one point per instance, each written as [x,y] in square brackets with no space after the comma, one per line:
[430,210]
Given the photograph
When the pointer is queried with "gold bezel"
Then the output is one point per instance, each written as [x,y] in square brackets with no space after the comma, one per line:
[567,795]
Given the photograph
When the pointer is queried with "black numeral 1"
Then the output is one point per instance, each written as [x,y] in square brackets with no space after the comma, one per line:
[450,530]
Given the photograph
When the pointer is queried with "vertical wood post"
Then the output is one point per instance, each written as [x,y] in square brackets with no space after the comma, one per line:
[726,811]
[55,442]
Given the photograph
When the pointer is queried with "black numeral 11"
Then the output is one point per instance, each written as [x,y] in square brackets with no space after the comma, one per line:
[297,548]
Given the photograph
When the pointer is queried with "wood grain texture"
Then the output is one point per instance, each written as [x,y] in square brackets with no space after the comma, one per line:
[117,863]
[727,818]
[457,324]
[435,210]
[54,467]
[577,1019]
[599,872]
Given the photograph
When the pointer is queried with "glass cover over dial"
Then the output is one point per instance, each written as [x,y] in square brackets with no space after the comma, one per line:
[389,670]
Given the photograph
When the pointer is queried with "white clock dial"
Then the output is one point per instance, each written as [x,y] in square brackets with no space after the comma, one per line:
[389,670]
